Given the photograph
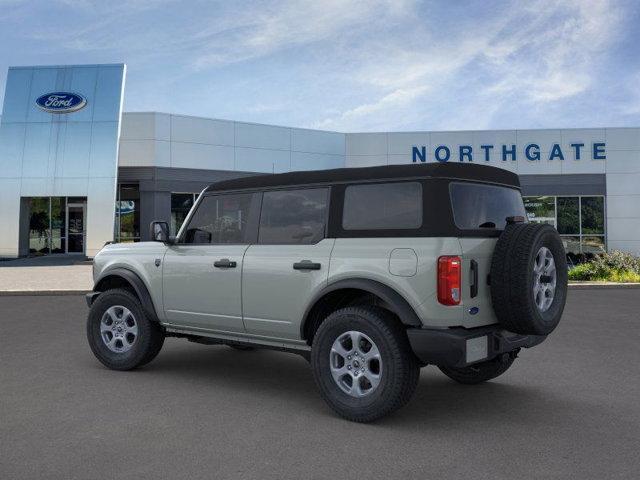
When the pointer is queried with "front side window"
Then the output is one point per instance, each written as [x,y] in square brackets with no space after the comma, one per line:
[477,206]
[293,216]
[378,206]
[220,219]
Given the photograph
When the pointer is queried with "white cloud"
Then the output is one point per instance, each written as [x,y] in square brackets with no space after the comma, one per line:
[349,64]
[541,53]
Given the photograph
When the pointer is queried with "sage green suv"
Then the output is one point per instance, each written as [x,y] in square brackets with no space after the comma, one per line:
[369,273]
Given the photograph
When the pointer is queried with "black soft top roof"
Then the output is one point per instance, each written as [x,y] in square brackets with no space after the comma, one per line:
[462,171]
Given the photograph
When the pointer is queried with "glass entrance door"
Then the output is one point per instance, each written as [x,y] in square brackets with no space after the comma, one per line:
[75,227]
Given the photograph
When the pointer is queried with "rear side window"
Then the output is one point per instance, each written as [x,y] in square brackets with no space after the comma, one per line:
[220,219]
[388,206]
[293,216]
[477,206]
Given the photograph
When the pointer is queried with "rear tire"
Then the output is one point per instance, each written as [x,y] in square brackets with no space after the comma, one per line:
[120,334]
[480,372]
[363,390]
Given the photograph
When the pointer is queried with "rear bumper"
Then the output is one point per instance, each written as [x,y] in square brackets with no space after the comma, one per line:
[459,347]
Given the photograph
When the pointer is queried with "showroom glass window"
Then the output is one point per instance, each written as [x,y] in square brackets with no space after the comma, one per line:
[220,219]
[382,206]
[50,225]
[293,216]
[127,226]
[181,203]
[580,220]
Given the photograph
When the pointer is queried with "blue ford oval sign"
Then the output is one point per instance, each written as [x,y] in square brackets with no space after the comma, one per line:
[61,102]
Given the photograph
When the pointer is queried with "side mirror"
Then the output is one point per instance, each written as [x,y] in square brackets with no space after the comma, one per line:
[159,231]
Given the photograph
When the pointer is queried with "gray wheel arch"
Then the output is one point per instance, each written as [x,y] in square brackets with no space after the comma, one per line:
[396,303]
[133,280]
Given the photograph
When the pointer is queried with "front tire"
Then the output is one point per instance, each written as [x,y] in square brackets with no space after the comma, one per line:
[363,364]
[120,334]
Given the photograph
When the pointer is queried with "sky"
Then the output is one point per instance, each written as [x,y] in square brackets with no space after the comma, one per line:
[351,66]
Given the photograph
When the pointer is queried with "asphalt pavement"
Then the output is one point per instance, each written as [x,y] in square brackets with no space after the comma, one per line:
[570,408]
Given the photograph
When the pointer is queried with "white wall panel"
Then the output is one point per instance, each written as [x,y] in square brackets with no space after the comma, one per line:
[201,130]
[544,138]
[623,139]
[623,206]
[623,161]
[366,144]
[400,143]
[139,126]
[198,155]
[262,160]
[623,229]
[354,161]
[315,161]
[262,136]
[623,183]
[313,141]
[139,153]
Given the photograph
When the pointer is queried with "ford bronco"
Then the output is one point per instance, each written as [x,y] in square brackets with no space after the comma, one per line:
[370,273]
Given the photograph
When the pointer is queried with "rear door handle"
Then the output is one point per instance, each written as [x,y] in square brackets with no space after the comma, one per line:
[224,263]
[474,279]
[306,265]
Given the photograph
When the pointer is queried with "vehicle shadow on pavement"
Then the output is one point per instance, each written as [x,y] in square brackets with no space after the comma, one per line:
[438,402]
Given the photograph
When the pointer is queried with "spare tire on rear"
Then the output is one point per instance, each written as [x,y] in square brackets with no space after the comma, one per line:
[529,278]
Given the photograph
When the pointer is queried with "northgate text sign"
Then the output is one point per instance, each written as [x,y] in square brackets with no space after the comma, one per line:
[531,152]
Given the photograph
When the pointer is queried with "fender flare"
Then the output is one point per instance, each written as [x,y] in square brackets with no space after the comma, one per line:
[397,303]
[136,283]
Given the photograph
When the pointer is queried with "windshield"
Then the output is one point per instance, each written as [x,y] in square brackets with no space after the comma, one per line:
[477,206]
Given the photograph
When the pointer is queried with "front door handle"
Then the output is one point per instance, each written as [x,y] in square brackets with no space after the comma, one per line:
[224,263]
[306,265]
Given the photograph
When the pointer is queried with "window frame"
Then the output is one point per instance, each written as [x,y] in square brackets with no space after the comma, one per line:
[255,208]
[325,230]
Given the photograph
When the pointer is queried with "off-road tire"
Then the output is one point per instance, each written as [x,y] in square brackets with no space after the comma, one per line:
[479,372]
[148,342]
[512,278]
[399,374]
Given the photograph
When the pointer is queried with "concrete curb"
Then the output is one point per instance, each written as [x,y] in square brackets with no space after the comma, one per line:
[601,285]
[41,293]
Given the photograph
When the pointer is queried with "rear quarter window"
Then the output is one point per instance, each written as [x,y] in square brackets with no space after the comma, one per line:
[382,206]
[477,206]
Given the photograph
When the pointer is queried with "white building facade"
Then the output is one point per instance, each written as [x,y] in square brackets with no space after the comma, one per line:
[68,191]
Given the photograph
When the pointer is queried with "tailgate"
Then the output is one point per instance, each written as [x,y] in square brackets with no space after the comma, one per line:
[476,297]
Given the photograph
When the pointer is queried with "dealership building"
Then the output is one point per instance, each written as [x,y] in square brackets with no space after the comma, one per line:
[76,171]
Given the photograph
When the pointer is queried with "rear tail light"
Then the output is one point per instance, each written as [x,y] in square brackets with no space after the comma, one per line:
[449,280]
